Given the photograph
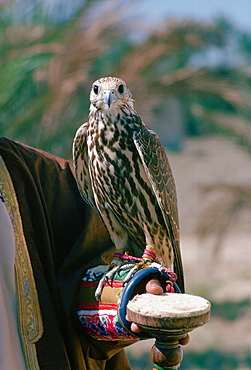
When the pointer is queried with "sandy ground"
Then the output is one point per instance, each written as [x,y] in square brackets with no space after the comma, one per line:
[220,274]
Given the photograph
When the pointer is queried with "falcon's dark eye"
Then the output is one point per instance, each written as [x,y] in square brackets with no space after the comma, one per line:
[121,89]
[95,89]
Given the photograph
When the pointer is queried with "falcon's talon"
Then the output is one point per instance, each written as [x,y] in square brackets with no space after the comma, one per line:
[105,279]
[99,289]
[130,274]
[125,267]
[111,267]
[108,277]
[138,266]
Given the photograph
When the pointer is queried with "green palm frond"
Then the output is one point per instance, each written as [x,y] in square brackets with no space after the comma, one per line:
[49,60]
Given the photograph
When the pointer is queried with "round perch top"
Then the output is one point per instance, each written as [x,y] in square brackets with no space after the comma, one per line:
[169,310]
[169,305]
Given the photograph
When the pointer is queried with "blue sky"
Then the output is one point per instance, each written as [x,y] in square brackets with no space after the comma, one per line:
[237,11]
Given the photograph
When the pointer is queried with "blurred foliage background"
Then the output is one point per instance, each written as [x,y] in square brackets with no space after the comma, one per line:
[189,79]
[51,52]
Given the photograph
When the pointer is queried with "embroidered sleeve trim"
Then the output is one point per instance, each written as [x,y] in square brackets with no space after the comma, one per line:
[29,315]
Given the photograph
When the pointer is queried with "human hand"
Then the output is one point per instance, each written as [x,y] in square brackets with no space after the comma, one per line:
[154,287]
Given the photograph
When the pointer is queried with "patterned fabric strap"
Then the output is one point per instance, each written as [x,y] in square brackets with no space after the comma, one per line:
[149,254]
[126,257]
[100,319]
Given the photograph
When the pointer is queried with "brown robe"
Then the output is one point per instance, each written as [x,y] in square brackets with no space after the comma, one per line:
[64,236]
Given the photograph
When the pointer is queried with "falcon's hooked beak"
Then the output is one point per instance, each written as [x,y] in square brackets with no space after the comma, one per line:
[109,97]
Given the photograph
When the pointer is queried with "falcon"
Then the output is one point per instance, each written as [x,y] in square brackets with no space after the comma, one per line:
[122,171]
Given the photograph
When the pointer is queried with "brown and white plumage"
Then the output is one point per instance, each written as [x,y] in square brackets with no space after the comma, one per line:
[123,172]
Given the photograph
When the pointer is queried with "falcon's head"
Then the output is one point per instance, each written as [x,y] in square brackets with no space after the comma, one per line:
[110,93]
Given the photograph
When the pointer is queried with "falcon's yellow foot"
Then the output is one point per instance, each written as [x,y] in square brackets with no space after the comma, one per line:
[148,257]
[136,267]
[116,265]
[124,262]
